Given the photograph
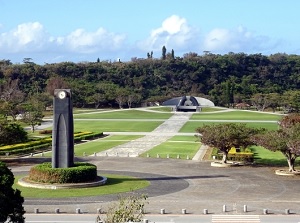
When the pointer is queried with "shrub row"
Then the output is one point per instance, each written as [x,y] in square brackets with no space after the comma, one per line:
[43,144]
[27,144]
[81,172]
[26,150]
[234,155]
[87,136]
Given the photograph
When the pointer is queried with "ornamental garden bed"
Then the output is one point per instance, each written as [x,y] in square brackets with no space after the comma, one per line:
[39,145]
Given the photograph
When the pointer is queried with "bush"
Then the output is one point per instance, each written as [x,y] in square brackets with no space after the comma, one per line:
[11,133]
[130,208]
[81,172]
[11,208]
[45,131]
[43,144]
[242,155]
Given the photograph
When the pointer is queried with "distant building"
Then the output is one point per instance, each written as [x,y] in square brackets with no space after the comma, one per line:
[188,103]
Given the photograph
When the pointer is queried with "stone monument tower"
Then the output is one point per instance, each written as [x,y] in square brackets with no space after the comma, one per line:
[63,130]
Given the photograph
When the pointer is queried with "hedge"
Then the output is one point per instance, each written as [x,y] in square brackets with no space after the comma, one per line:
[81,172]
[43,144]
[244,155]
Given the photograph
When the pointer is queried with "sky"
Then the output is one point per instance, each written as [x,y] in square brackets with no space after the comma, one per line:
[52,31]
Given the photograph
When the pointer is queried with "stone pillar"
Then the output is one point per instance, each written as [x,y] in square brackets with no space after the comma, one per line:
[63,130]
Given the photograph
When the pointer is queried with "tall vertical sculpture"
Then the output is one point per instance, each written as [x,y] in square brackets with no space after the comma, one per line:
[63,130]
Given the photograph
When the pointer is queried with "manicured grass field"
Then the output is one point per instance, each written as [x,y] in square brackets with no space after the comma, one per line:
[174,149]
[236,115]
[127,122]
[124,114]
[161,108]
[115,126]
[115,184]
[267,157]
[184,138]
[121,137]
[103,144]
[87,110]
[211,109]
[95,146]
[191,126]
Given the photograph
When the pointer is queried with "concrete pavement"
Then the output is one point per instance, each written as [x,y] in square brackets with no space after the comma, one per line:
[187,184]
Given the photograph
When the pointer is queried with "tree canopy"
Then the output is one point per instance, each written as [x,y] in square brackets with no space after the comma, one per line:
[262,81]
[225,136]
[11,201]
[11,133]
[286,139]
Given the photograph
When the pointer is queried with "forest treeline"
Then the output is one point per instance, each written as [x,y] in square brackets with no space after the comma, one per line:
[234,78]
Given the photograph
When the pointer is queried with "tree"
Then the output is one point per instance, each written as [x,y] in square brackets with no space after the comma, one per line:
[97,99]
[11,133]
[33,113]
[132,98]
[56,82]
[289,120]
[108,90]
[172,54]
[122,95]
[10,97]
[260,101]
[164,52]
[130,208]
[274,99]
[295,101]
[286,139]
[226,136]
[11,201]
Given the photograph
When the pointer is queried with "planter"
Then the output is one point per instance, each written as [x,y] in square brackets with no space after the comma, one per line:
[287,173]
[228,164]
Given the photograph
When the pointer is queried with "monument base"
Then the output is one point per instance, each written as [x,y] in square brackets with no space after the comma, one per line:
[25,182]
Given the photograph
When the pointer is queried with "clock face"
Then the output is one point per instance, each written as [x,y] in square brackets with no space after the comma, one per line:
[62,94]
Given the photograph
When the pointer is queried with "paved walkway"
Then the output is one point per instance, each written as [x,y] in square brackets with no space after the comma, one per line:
[185,184]
[161,134]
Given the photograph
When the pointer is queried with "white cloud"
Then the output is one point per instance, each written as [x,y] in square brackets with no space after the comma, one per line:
[90,42]
[33,40]
[32,37]
[26,37]
[174,33]
[237,40]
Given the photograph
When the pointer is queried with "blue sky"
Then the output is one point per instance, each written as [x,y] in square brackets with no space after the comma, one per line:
[50,31]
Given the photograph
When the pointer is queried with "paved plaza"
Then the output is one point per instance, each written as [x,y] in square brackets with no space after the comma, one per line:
[187,184]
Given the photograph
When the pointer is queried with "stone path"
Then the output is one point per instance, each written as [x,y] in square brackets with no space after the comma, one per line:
[161,134]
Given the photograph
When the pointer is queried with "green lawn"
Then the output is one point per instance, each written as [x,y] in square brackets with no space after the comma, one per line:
[161,108]
[115,126]
[95,146]
[191,126]
[87,110]
[150,120]
[236,115]
[184,138]
[92,147]
[211,109]
[121,137]
[115,184]
[267,157]
[124,114]
[173,149]
[89,148]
